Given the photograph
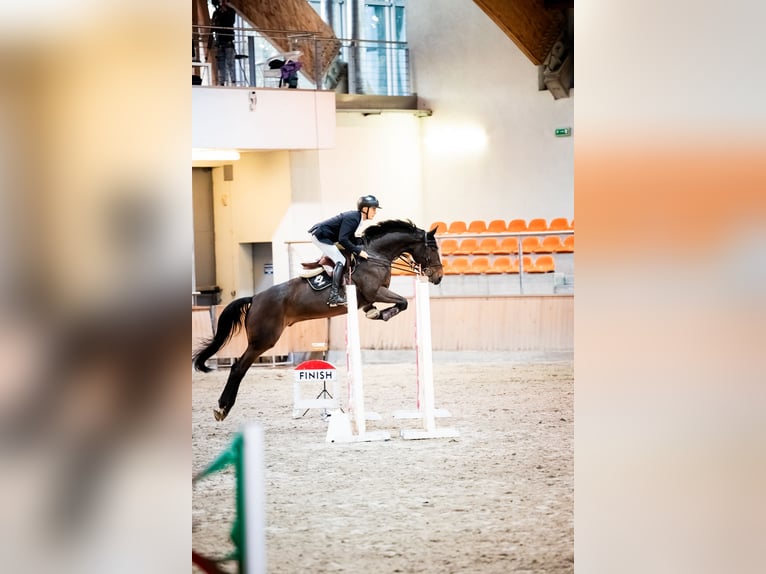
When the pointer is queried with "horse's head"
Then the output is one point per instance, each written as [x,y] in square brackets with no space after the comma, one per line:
[426,254]
[392,238]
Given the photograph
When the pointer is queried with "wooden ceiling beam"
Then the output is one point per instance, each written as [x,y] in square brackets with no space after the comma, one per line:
[532,26]
[558,4]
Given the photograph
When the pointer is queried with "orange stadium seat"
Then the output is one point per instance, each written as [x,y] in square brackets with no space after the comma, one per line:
[516,225]
[457,227]
[527,263]
[508,245]
[497,226]
[551,244]
[466,246]
[568,244]
[501,265]
[558,223]
[478,266]
[531,244]
[543,264]
[457,266]
[486,246]
[477,226]
[448,246]
[537,224]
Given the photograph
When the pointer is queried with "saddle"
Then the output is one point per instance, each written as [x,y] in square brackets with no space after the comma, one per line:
[323,264]
[319,273]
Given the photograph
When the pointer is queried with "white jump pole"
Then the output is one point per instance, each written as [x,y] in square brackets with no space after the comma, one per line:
[426,410]
[254,499]
[354,355]
[339,431]
[425,355]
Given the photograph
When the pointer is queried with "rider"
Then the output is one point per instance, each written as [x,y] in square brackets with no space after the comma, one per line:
[341,229]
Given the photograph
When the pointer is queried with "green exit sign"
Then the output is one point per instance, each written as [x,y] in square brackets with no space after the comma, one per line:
[563,132]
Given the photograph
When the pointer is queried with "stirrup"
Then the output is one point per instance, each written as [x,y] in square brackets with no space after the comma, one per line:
[337,300]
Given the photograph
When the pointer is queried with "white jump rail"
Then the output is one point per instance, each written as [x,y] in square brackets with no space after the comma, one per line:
[426,409]
[254,499]
[340,425]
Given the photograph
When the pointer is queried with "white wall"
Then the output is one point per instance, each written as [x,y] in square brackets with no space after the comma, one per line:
[378,155]
[280,119]
[473,76]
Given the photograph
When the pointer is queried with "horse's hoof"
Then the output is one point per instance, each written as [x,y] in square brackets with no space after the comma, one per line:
[219,414]
[373,314]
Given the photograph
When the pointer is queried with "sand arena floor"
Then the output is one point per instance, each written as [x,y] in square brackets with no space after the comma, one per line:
[498,499]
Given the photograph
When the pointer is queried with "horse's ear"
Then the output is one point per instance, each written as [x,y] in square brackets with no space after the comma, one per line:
[432,233]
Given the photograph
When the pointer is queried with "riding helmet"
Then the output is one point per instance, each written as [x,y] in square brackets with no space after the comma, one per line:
[367,201]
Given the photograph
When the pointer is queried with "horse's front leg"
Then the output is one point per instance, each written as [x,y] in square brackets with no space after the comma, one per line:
[385,295]
[371,311]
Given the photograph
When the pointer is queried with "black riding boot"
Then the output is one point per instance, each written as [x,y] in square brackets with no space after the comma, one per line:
[337,293]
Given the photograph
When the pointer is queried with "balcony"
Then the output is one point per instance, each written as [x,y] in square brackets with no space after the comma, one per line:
[354,67]
[265,108]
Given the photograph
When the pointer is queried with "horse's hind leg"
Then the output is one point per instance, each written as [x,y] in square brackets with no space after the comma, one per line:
[260,339]
[236,374]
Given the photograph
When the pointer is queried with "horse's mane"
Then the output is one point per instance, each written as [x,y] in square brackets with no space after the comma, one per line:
[389,226]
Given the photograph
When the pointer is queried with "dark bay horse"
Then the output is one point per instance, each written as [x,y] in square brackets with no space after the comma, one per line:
[266,314]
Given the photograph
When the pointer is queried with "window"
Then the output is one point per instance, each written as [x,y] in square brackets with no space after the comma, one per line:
[382,56]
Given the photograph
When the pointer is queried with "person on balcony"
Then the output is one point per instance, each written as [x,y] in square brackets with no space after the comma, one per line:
[222,40]
[341,229]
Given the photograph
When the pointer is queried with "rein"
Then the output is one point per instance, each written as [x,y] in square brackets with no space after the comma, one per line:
[401,263]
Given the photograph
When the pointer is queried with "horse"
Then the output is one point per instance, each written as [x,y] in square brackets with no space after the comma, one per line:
[266,314]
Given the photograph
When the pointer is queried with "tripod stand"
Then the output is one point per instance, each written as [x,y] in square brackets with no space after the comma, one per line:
[323,394]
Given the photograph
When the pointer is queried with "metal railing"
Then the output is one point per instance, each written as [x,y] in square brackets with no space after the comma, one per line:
[343,65]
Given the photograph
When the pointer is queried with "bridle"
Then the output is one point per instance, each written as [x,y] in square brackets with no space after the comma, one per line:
[405,262]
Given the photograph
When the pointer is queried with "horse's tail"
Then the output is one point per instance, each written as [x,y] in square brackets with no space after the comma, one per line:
[230,322]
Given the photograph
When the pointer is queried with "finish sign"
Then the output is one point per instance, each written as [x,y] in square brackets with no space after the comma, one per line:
[315,371]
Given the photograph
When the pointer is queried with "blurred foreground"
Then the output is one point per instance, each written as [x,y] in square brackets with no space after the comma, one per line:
[94,263]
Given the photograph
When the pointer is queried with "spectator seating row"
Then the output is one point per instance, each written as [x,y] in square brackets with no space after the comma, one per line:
[506,245]
[497,226]
[501,265]
[485,266]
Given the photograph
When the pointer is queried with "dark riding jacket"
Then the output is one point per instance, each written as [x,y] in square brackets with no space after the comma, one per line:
[223,21]
[340,229]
